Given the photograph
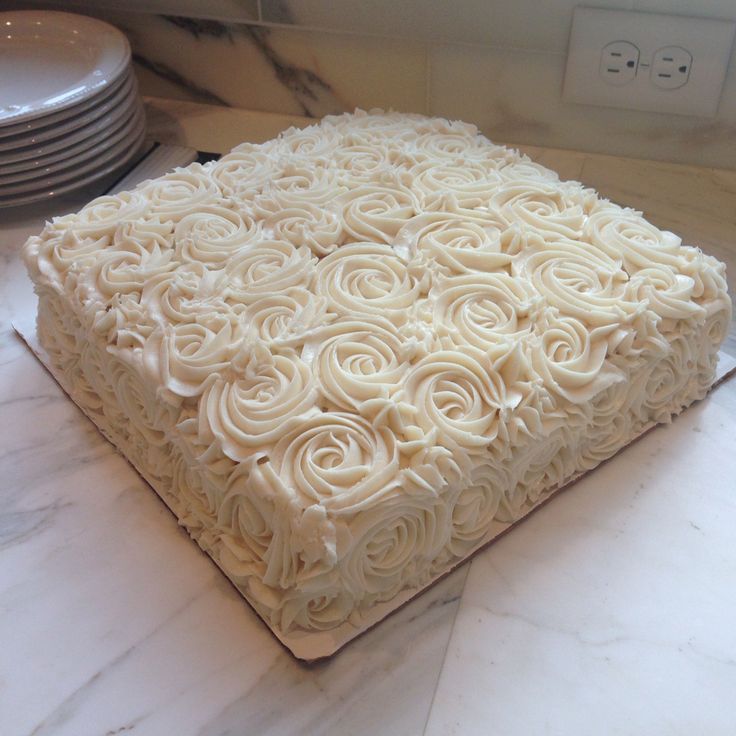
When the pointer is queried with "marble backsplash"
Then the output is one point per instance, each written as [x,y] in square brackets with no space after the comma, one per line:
[496,63]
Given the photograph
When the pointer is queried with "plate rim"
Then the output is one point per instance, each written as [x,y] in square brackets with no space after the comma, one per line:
[61,177]
[130,99]
[100,98]
[44,194]
[117,133]
[74,122]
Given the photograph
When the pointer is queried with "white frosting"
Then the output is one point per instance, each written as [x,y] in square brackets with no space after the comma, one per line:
[351,355]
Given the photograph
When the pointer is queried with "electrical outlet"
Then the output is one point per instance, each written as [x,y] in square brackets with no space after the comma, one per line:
[671,67]
[647,61]
[619,62]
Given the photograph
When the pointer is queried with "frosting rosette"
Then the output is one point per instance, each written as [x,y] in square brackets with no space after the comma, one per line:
[538,469]
[62,257]
[666,381]
[718,321]
[125,323]
[252,528]
[175,195]
[56,330]
[316,612]
[457,245]
[364,163]
[623,234]
[212,234]
[376,212]
[571,358]
[476,508]
[338,460]
[367,278]
[524,170]
[376,137]
[472,183]
[357,361]
[308,182]
[589,286]
[709,275]
[616,418]
[137,402]
[271,267]
[666,293]
[126,270]
[309,143]
[187,494]
[150,234]
[81,391]
[394,546]
[244,171]
[103,215]
[258,405]
[375,129]
[93,364]
[488,311]
[459,395]
[302,223]
[287,318]
[186,357]
[191,293]
[459,143]
[60,331]
[543,209]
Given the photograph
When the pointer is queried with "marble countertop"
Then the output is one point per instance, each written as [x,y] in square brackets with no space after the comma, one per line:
[611,611]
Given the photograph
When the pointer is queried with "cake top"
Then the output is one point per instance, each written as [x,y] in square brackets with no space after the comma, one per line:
[379,304]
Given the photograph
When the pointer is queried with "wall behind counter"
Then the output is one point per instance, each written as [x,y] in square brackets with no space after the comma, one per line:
[497,63]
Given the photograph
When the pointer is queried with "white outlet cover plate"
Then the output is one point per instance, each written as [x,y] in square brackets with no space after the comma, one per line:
[708,41]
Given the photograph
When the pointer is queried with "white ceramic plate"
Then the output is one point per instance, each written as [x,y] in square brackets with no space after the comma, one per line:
[64,139]
[121,98]
[49,182]
[67,152]
[50,61]
[28,127]
[69,186]
[127,130]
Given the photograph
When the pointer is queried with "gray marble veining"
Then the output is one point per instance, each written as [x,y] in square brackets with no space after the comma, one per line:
[497,64]
[309,91]
[642,639]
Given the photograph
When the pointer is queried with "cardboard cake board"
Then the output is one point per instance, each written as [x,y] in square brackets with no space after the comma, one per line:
[313,646]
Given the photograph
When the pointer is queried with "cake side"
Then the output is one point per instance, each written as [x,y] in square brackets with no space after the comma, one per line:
[356,353]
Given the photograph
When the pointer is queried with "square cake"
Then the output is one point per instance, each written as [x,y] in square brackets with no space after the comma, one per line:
[350,357]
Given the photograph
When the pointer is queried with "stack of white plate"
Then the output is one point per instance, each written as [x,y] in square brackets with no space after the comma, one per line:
[70,112]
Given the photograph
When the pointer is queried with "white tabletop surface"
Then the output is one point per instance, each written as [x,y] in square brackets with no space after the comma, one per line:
[610,611]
